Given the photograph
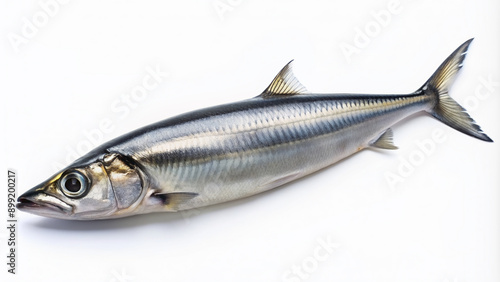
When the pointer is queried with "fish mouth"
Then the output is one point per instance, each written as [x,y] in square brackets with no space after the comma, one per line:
[24,204]
[40,203]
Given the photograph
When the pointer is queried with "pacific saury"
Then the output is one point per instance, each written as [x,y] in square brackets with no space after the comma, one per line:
[232,151]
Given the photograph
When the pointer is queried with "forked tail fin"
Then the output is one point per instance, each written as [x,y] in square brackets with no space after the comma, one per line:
[446,108]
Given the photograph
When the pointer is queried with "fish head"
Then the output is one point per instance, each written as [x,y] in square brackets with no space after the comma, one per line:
[108,187]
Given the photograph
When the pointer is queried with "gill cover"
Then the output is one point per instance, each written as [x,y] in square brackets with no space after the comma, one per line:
[124,177]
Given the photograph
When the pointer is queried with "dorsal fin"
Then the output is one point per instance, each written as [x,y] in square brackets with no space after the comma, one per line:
[285,83]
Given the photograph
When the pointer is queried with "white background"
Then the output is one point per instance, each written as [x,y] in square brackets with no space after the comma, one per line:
[440,222]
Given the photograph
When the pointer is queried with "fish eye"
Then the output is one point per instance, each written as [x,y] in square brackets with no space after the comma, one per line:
[74,184]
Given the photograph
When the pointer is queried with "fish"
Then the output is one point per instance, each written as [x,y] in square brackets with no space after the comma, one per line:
[236,150]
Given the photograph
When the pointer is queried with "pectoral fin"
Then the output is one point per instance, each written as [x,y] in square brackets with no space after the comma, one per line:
[174,199]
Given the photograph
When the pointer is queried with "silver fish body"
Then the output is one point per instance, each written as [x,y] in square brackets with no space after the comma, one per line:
[236,150]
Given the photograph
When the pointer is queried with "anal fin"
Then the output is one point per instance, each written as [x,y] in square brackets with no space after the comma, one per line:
[282,180]
[384,141]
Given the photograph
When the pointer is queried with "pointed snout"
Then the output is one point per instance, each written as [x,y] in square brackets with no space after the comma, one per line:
[36,201]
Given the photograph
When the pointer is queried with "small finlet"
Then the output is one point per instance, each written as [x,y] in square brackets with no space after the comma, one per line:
[285,83]
[384,141]
[173,200]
